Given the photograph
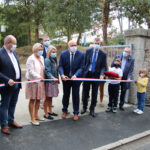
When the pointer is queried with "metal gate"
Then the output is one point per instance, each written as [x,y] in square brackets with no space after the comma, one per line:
[112,51]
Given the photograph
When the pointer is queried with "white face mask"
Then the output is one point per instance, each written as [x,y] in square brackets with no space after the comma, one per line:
[73,49]
[142,74]
[13,47]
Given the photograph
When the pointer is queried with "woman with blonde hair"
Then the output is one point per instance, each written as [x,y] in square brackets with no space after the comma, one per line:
[141,90]
[35,91]
[51,86]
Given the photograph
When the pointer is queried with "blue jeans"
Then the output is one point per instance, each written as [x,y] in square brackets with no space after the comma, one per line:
[141,100]
[9,99]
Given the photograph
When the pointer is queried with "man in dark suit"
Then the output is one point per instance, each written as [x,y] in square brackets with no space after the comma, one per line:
[71,66]
[94,67]
[127,66]
[9,73]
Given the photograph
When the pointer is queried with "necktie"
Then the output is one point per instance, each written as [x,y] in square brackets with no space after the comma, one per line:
[44,53]
[93,63]
[71,65]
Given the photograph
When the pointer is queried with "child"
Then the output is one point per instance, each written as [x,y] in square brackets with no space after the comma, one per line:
[113,87]
[141,90]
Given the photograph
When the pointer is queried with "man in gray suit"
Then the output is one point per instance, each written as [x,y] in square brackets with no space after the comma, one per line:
[127,66]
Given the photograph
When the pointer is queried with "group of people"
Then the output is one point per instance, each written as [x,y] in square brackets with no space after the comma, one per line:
[42,66]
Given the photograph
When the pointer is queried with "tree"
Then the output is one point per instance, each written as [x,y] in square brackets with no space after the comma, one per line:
[137,10]
[69,16]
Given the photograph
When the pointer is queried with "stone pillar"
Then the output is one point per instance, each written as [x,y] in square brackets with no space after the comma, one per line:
[140,40]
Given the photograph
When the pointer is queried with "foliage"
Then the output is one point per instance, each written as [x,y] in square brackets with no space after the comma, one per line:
[69,16]
[137,10]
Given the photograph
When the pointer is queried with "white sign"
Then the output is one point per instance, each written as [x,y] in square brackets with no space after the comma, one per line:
[3,28]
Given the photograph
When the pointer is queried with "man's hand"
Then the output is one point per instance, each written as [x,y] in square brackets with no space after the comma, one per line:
[63,77]
[101,77]
[11,82]
[73,77]
[129,79]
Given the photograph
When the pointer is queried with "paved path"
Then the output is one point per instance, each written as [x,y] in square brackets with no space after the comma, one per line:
[85,134]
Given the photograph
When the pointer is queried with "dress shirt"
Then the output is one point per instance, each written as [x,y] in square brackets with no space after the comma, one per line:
[14,62]
[93,57]
[123,63]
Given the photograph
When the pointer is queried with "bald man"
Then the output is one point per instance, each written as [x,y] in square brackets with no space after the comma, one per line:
[127,66]
[9,73]
[71,65]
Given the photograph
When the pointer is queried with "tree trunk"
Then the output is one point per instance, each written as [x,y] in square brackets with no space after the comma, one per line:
[37,31]
[79,38]
[105,19]
[29,36]
[69,32]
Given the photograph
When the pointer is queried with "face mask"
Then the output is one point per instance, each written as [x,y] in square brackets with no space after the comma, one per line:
[73,49]
[96,46]
[117,65]
[53,55]
[13,47]
[142,74]
[40,53]
[125,54]
[47,43]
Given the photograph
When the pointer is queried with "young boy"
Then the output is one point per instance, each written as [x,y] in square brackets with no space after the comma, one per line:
[113,87]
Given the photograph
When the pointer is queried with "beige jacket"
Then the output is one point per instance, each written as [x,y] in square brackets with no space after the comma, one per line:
[33,67]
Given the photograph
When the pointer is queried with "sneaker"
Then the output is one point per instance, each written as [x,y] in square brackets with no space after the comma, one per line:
[109,109]
[114,110]
[135,110]
[140,112]
[48,117]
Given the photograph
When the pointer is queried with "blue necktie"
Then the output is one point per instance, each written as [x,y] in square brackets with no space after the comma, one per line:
[71,65]
[44,53]
[93,62]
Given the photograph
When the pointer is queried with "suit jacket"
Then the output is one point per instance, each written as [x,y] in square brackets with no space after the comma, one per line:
[129,66]
[7,70]
[64,63]
[101,64]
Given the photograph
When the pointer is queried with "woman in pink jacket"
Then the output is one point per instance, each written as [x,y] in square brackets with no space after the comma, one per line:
[35,91]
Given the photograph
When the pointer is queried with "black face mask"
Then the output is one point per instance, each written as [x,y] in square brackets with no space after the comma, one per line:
[117,66]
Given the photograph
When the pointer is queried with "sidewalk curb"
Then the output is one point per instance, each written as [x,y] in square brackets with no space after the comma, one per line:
[124,141]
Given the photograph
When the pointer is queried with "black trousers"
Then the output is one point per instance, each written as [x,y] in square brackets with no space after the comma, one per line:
[67,85]
[113,90]
[123,92]
[86,90]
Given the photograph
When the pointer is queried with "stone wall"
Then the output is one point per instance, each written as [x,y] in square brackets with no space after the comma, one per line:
[140,40]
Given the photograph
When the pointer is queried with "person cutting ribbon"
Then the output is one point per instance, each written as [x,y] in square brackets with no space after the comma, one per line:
[94,67]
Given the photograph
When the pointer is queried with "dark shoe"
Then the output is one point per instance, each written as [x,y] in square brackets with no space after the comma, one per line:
[5,130]
[109,109]
[114,110]
[92,113]
[121,108]
[49,117]
[64,115]
[15,125]
[83,111]
[53,114]
[76,117]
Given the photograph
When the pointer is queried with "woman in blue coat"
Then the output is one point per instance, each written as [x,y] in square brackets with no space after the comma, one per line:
[51,87]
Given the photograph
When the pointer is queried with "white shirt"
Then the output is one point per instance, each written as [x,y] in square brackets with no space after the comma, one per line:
[123,63]
[14,62]
[116,70]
